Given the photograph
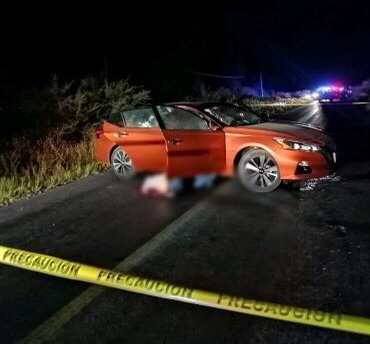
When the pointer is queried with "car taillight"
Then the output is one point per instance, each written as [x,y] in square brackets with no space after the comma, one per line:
[98,131]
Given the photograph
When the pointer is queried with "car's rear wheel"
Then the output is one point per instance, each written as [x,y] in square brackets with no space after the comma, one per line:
[121,164]
[258,171]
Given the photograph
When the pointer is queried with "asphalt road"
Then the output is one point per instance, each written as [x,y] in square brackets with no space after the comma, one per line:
[308,247]
[348,123]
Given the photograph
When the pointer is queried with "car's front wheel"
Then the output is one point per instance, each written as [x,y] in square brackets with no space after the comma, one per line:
[258,171]
[121,164]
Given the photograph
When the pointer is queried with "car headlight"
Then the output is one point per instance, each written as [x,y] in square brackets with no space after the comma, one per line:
[297,145]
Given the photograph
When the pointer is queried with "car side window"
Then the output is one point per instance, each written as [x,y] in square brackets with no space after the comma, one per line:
[175,118]
[140,118]
[116,118]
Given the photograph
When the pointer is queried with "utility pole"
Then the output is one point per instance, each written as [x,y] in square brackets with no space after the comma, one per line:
[261,85]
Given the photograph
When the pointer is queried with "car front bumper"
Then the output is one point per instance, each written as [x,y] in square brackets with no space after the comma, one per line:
[298,165]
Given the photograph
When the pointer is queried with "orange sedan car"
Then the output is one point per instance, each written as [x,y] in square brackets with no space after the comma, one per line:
[186,139]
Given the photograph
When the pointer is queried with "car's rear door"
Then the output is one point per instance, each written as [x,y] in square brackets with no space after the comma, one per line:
[192,146]
[140,135]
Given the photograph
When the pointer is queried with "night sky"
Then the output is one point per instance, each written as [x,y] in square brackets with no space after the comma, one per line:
[294,44]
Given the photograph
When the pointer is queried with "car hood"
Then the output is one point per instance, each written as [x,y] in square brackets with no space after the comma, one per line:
[274,129]
[296,123]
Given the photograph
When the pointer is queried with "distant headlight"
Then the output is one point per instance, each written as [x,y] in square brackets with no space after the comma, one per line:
[297,145]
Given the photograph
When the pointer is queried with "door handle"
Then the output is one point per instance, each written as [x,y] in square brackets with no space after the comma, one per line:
[175,141]
[120,133]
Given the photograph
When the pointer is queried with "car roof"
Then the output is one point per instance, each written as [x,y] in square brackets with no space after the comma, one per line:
[198,105]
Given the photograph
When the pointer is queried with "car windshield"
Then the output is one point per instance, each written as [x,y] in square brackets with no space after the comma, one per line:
[233,115]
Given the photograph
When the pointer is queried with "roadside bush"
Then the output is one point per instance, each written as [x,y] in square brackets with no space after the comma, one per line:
[74,105]
[55,146]
[204,93]
[70,106]
[52,161]
[249,96]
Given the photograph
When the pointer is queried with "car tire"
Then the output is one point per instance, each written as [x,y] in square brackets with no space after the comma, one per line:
[121,164]
[258,171]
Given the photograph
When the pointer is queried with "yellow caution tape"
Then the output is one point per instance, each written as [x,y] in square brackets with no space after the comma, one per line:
[75,271]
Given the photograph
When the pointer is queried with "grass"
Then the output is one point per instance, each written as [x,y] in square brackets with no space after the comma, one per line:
[28,168]
[276,101]
[31,165]
[268,107]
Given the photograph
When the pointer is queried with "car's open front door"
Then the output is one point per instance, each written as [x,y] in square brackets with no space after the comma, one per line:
[141,138]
